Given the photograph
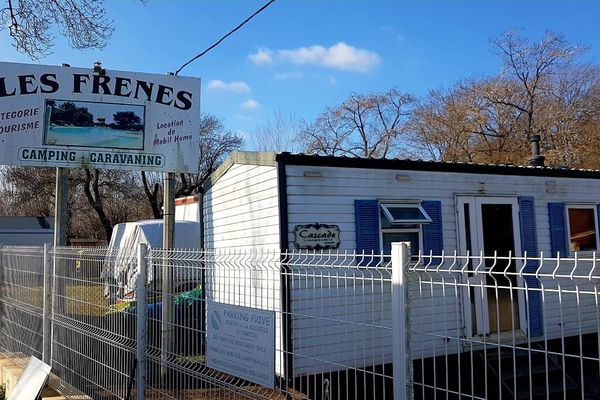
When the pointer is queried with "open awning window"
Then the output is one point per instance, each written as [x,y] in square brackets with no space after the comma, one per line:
[405,214]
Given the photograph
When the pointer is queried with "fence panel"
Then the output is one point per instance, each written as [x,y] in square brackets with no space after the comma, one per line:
[505,327]
[177,334]
[21,302]
[93,344]
[339,324]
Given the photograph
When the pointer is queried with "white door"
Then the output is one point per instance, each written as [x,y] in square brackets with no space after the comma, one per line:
[489,232]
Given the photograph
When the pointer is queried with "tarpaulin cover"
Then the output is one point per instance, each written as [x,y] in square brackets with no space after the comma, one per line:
[120,269]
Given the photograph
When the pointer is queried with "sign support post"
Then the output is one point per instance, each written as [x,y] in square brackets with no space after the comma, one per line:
[141,334]
[167,272]
[47,309]
[60,239]
[60,206]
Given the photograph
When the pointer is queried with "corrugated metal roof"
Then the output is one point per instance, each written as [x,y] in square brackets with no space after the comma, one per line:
[440,166]
[273,159]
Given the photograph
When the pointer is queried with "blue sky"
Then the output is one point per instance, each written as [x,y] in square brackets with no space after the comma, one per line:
[301,56]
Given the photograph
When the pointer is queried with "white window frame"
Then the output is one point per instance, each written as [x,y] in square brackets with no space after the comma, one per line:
[568,226]
[388,214]
[398,229]
[418,231]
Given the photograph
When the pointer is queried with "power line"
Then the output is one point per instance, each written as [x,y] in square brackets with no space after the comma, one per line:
[226,36]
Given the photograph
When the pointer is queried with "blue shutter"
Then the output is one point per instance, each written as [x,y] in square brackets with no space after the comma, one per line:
[597,220]
[367,226]
[529,245]
[433,242]
[558,229]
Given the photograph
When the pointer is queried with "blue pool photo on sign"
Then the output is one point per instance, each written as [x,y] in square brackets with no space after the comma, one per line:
[90,124]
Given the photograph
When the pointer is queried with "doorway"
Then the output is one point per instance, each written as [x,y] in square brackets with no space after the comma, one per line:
[489,227]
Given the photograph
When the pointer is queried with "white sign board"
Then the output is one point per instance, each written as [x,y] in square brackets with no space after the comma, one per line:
[241,342]
[75,117]
[32,380]
[317,236]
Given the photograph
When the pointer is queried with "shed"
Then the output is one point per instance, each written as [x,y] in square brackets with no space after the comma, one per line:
[26,231]
[259,200]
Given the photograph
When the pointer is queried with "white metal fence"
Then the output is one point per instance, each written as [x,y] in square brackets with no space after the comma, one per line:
[346,326]
[505,327]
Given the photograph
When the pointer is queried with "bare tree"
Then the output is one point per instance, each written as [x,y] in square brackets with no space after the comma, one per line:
[542,89]
[97,199]
[30,24]
[533,68]
[362,126]
[28,191]
[151,184]
[216,142]
[279,134]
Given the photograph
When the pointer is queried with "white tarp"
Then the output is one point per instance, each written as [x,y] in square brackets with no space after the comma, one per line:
[120,269]
[81,118]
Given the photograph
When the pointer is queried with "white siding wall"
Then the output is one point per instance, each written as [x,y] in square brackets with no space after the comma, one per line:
[241,209]
[330,200]
[241,220]
[337,318]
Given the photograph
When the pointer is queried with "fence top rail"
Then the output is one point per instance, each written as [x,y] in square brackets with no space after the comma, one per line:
[578,266]
[21,250]
[582,265]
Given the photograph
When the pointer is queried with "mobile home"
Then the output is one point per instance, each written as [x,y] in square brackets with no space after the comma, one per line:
[263,200]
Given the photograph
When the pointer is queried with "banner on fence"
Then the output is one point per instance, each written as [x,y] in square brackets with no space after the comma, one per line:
[241,342]
[95,118]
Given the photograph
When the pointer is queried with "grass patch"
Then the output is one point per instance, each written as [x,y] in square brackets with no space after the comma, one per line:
[195,359]
[87,300]
[30,296]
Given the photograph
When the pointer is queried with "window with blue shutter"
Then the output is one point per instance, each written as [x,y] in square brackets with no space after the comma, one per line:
[394,222]
[530,246]
[367,226]
[558,229]
[433,241]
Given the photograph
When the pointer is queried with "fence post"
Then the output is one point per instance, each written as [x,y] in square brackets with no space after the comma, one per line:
[402,360]
[141,333]
[47,308]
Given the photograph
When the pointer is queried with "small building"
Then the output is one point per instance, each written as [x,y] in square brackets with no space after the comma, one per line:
[26,231]
[264,200]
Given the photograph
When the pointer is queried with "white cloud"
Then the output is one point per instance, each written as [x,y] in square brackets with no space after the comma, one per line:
[250,104]
[340,56]
[235,87]
[262,57]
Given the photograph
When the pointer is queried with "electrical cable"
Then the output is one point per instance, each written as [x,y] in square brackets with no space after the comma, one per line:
[225,36]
